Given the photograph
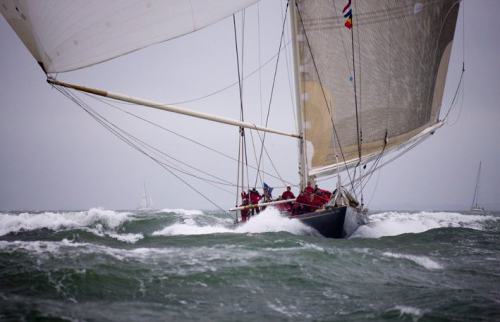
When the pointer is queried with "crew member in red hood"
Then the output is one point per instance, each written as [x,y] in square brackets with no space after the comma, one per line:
[245,213]
[254,199]
[309,189]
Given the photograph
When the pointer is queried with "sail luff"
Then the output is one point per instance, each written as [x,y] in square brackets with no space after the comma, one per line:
[169,108]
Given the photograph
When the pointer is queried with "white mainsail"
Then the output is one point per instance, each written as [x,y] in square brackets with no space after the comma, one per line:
[64,36]
[67,35]
[400,51]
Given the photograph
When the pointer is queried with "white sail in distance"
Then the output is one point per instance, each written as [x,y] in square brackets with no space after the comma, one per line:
[68,35]
[397,53]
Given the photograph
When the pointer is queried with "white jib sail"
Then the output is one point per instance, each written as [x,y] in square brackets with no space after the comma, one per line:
[67,35]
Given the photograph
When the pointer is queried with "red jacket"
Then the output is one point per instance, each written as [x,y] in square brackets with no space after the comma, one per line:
[308,189]
[254,197]
[287,195]
[244,199]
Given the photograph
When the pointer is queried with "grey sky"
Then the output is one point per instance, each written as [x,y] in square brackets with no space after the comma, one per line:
[54,156]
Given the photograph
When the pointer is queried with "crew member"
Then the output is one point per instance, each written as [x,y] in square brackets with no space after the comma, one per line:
[268,197]
[245,213]
[288,194]
[254,199]
[319,197]
[309,189]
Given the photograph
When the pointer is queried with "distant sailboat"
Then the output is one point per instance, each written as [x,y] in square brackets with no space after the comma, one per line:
[475,207]
[146,201]
[369,79]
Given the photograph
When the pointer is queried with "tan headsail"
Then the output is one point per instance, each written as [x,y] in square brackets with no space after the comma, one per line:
[401,53]
[67,35]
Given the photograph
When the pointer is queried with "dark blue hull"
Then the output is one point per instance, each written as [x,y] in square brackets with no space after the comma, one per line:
[329,222]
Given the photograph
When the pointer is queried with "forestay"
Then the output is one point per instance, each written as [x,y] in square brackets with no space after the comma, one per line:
[401,54]
[67,35]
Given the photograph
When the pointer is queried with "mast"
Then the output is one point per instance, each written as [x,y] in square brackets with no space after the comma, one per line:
[303,174]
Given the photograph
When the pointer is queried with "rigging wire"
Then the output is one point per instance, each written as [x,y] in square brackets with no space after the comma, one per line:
[379,173]
[460,109]
[220,90]
[159,152]
[242,150]
[258,69]
[241,96]
[358,134]
[461,80]
[261,105]
[241,131]
[359,121]
[122,135]
[260,63]
[290,77]
[254,149]
[238,175]
[263,139]
[374,165]
[453,102]
[272,88]
[106,101]
[271,161]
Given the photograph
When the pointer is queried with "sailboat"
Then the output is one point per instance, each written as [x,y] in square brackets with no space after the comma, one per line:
[146,201]
[368,79]
[475,200]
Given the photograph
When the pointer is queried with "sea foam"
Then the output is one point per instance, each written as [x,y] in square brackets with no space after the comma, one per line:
[413,312]
[107,219]
[396,223]
[269,220]
[185,212]
[423,261]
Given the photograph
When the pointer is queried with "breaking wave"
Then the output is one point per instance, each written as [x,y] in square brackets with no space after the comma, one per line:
[405,311]
[131,227]
[185,212]
[98,218]
[269,220]
[397,223]
[423,261]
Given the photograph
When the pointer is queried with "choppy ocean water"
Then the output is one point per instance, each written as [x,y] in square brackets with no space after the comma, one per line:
[189,265]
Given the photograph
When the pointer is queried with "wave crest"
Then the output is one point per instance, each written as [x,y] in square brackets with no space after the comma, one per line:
[269,220]
[423,261]
[397,223]
[95,217]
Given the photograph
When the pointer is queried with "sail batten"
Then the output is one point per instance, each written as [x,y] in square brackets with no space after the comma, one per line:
[399,53]
[68,35]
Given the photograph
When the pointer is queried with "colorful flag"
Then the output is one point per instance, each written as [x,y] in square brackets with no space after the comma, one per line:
[267,189]
[348,15]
